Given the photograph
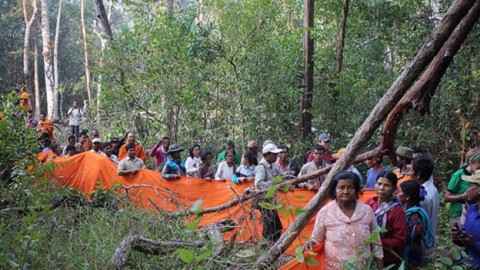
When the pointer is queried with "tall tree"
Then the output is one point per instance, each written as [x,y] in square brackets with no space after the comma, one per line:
[306,104]
[55,59]
[47,59]
[26,45]
[35,76]
[85,51]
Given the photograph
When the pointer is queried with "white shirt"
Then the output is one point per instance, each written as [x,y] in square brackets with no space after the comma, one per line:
[75,114]
[431,205]
[223,171]
[192,164]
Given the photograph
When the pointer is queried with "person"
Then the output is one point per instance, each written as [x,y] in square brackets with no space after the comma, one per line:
[174,167]
[138,148]
[456,192]
[206,170]
[70,151]
[375,168]
[246,171]
[82,141]
[24,99]
[469,235]
[86,141]
[227,167]
[107,149]
[422,168]
[252,146]
[316,164]
[404,158]
[229,145]
[344,224]
[75,114]
[352,168]
[323,140]
[131,164]
[55,150]
[31,121]
[71,141]
[389,214]
[96,147]
[45,126]
[193,161]
[115,146]
[417,152]
[419,229]
[159,151]
[265,172]
[284,165]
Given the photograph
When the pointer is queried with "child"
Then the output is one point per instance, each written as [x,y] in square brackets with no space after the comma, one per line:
[246,171]
[206,171]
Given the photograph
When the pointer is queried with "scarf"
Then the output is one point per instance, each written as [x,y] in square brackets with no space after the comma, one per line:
[383,209]
[427,236]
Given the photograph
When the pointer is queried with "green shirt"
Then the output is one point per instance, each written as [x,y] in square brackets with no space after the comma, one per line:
[221,157]
[457,186]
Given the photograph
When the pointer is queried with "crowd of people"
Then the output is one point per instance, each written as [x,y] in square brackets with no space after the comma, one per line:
[406,205]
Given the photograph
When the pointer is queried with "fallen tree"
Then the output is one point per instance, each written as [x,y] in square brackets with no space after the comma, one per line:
[412,71]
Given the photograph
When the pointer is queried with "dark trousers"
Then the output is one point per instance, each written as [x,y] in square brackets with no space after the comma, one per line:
[272,226]
[75,130]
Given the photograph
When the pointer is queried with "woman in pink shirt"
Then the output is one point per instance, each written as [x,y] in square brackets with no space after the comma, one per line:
[344,224]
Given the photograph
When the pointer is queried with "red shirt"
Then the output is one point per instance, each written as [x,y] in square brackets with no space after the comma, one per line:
[393,241]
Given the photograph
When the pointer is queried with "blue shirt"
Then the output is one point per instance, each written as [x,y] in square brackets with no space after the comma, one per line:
[372,176]
[472,226]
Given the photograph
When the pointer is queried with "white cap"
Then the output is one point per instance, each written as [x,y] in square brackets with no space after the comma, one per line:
[96,140]
[271,148]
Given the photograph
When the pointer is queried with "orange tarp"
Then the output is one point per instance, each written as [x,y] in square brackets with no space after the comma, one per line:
[147,189]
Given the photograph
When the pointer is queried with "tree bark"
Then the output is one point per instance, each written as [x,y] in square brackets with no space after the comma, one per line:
[47,59]
[104,17]
[341,39]
[26,45]
[306,103]
[35,76]
[434,43]
[85,51]
[55,59]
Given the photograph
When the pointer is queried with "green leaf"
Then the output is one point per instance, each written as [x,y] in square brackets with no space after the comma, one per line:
[194,225]
[267,205]
[348,266]
[446,261]
[300,197]
[196,206]
[204,255]
[299,210]
[245,253]
[311,261]
[270,192]
[286,188]
[185,255]
[456,255]
[299,253]
[277,179]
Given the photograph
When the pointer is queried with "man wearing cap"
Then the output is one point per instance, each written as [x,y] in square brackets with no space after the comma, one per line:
[422,170]
[264,174]
[324,140]
[404,159]
[469,235]
[229,145]
[96,148]
[174,167]
[131,164]
[316,164]
[253,148]
[138,148]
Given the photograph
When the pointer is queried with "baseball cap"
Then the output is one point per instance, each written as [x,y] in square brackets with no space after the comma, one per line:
[271,148]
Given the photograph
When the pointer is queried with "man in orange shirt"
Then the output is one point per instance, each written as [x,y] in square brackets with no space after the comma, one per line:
[138,148]
[45,126]
[24,101]
[404,160]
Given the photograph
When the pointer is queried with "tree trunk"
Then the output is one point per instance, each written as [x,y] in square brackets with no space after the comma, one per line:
[55,59]
[26,45]
[429,50]
[85,50]
[306,104]
[35,76]
[419,96]
[47,59]
[104,17]
[341,38]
